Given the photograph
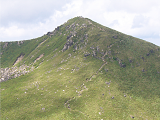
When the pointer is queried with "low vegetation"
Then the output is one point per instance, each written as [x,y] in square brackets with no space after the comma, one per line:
[82,70]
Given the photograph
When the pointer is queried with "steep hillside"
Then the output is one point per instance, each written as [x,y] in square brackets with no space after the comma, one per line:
[81,70]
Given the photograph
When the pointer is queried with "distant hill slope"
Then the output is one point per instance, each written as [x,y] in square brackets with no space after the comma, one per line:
[81,70]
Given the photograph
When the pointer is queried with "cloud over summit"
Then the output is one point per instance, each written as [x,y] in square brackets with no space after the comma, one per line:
[30,19]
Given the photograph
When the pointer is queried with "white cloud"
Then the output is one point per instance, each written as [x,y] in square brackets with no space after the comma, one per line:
[30,19]
[136,6]
[139,21]
[10,31]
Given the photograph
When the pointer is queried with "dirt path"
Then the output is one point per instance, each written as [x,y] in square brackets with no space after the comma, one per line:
[100,67]
[67,105]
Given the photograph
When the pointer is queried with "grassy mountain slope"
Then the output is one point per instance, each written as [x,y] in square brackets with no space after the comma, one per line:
[87,71]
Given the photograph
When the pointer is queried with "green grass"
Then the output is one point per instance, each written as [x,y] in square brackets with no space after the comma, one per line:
[61,78]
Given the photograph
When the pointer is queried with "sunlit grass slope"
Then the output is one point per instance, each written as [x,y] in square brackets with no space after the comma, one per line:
[103,74]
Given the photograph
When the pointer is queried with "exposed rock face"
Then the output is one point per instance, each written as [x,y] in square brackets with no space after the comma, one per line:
[75,47]
[92,47]
[109,52]
[50,33]
[5,45]
[39,57]
[108,83]
[57,28]
[115,37]
[142,58]
[72,30]
[143,70]
[106,70]
[67,45]
[97,48]
[121,63]
[69,36]
[94,53]
[69,42]
[19,42]
[18,59]
[14,72]
[130,61]
[87,54]
[147,54]
[151,51]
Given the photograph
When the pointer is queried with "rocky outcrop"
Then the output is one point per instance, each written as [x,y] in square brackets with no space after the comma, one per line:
[115,36]
[14,72]
[87,54]
[69,42]
[142,58]
[5,45]
[67,45]
[130,60]
[39,57]
[147,54]
[75,47]
[69,36]
[50,33]
[53,32]
[121,63]
[150,52]
[19,42]
[94,53]
[18,59]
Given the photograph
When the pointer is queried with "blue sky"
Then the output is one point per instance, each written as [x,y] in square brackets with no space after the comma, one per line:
[27,19]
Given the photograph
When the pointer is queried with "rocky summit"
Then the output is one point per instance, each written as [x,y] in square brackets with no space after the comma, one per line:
[80,70]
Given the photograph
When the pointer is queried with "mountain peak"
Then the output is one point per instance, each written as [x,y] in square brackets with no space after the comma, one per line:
[79,70]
